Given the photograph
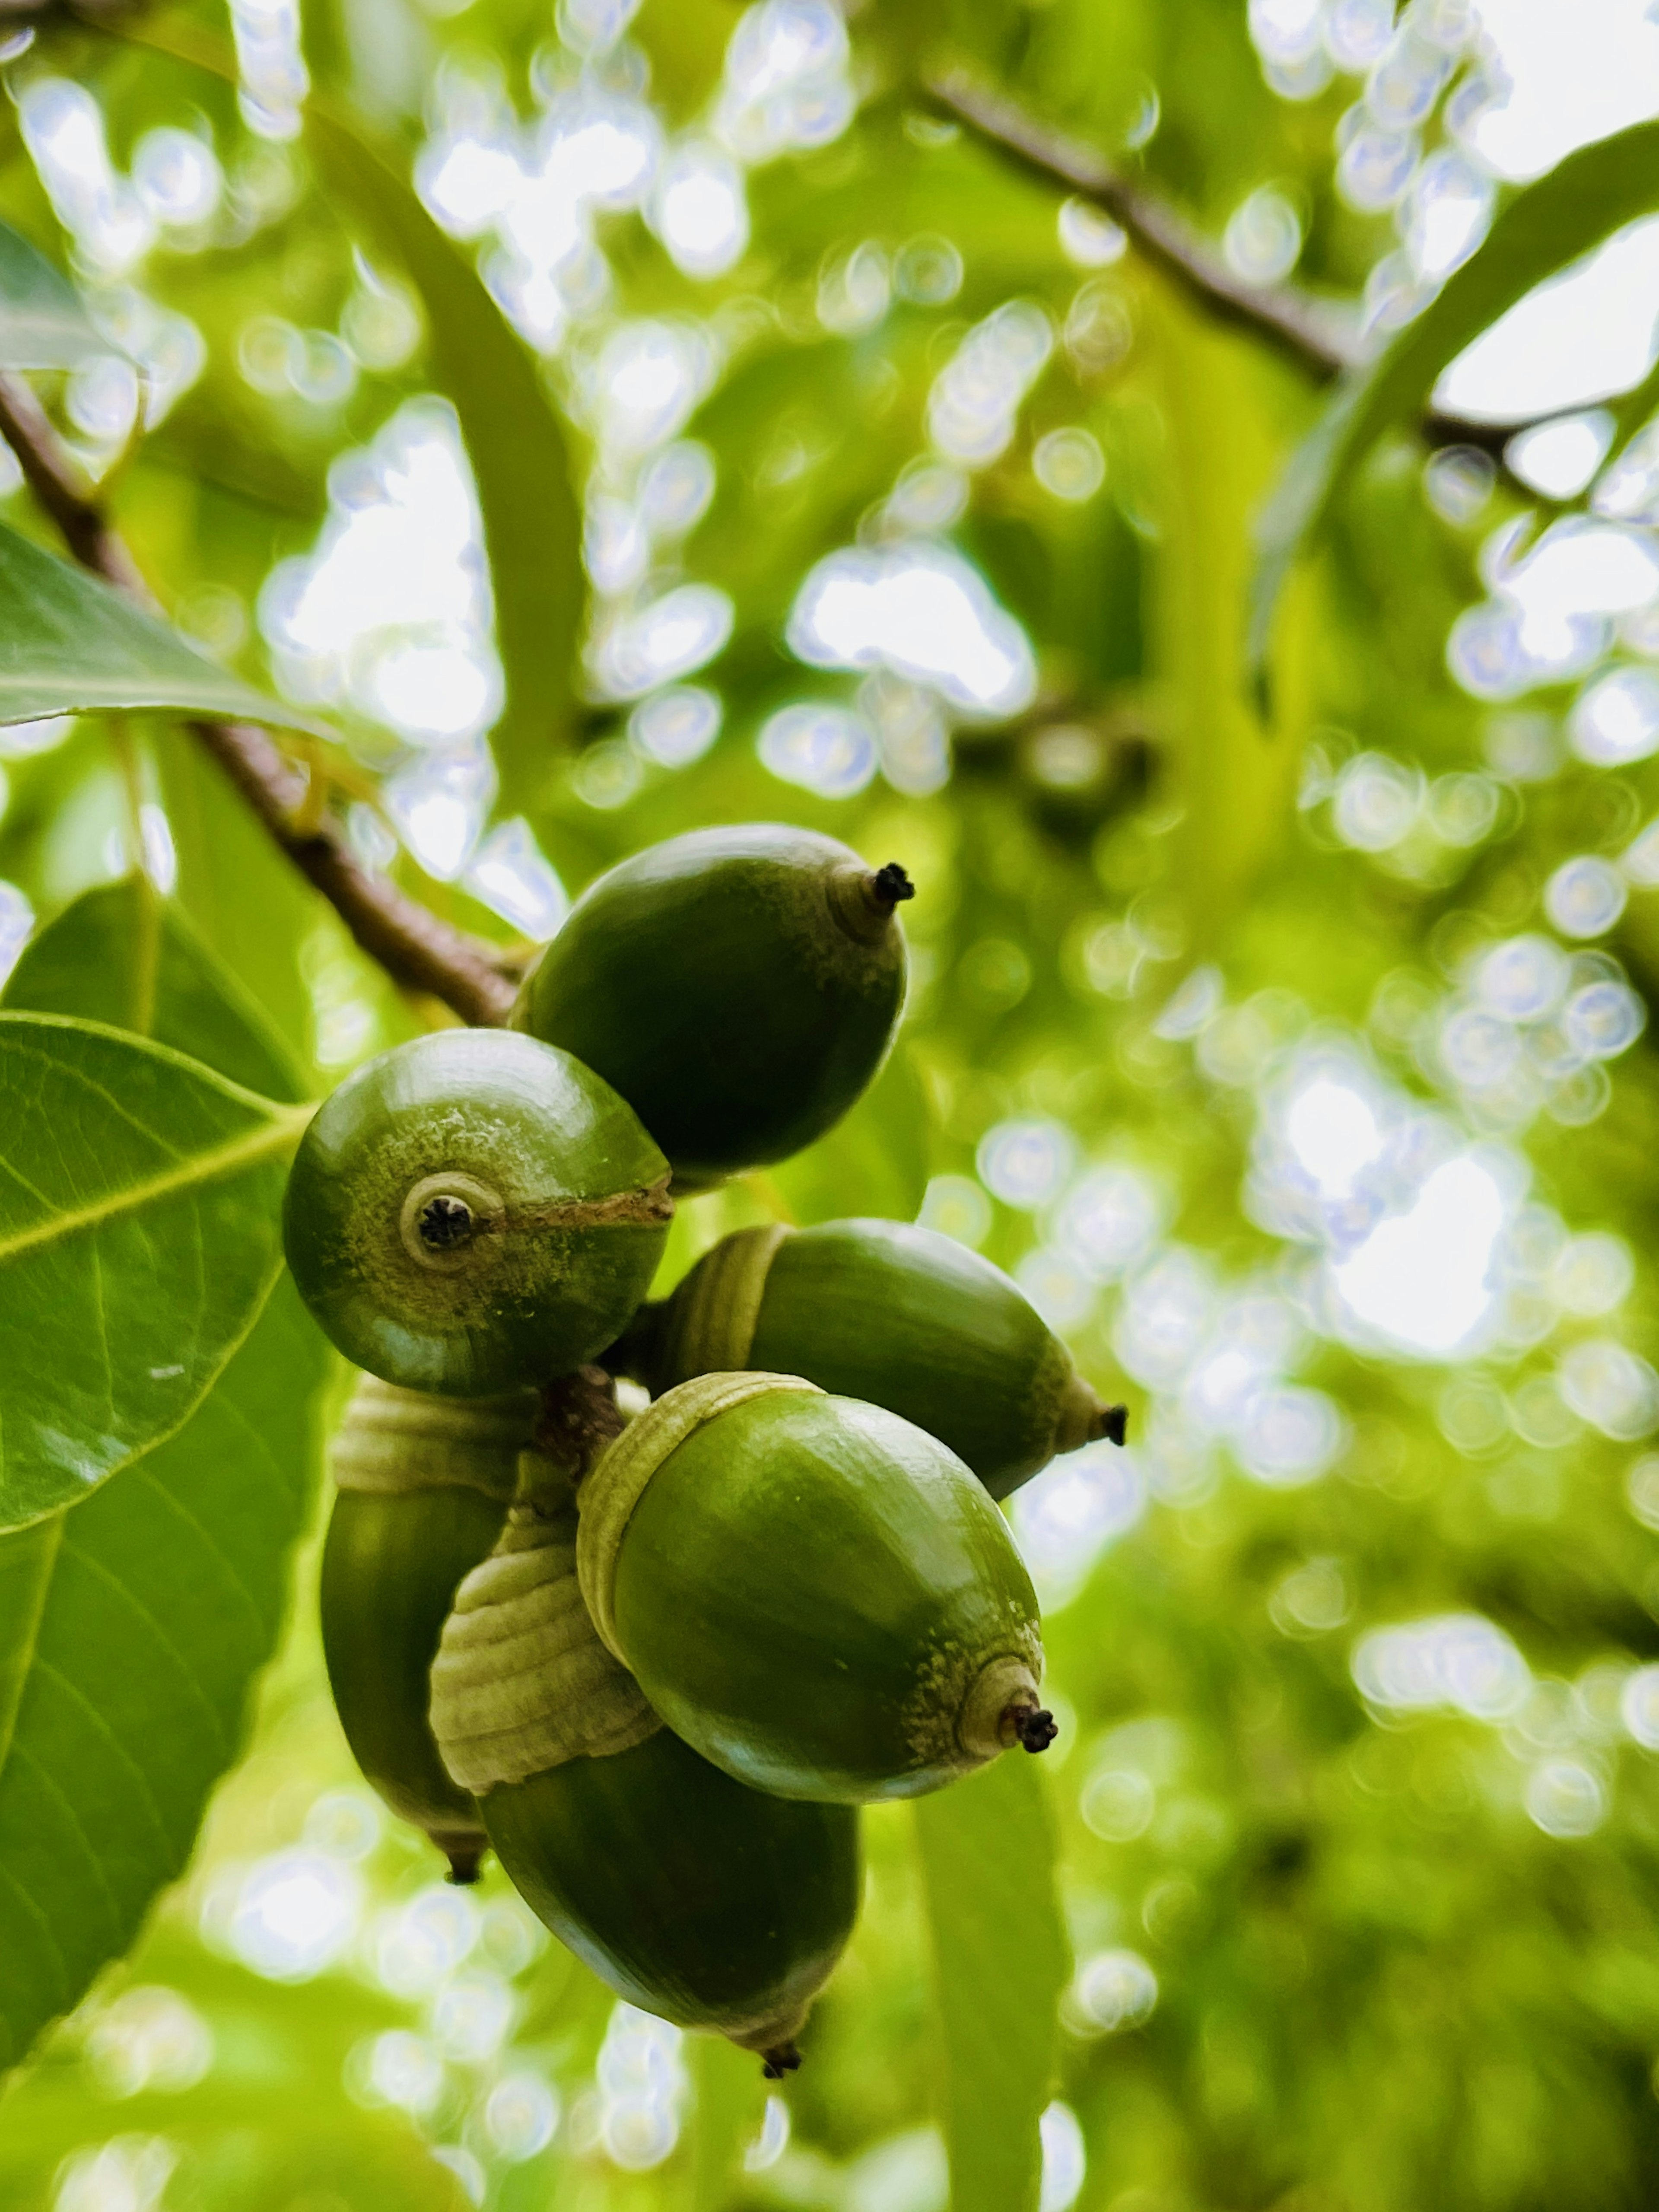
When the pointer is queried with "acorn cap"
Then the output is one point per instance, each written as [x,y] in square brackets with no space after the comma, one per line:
[710,1321]
[616,1482]
[391,1440]
[891,1312]
[521,1683]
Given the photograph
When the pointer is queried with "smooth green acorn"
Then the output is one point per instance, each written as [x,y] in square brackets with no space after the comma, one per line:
[813,1592]
[694,1897]
[423,1485]
[738,987]
[880,1310]
[474,1211]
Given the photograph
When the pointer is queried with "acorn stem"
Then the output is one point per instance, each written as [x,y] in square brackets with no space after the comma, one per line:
[1036,1727]
[1114,1423]
[579,1418]
[783,2058]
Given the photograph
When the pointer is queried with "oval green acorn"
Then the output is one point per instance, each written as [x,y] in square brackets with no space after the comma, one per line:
[474,1211]
[814,1593]
[423,1485]
[880,1310]
[738,987]
[694,1897]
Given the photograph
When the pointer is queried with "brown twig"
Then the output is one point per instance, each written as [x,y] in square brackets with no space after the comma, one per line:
[416,949]
[1308,332]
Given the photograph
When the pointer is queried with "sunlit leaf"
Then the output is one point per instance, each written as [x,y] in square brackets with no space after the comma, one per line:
[246,898]
[70,644]
[125,956]
[43,324]
[531,526]
[730,2105]
[1545,226]
[1237,767]
[139,1197]
[1001,1960]
[131,1630]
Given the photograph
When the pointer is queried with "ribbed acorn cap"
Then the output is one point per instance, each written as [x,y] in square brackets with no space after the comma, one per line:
[712,1317]
[392,1440]
[521,1683]
[618,1478]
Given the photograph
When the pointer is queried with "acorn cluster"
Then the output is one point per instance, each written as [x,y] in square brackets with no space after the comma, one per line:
[656,1664]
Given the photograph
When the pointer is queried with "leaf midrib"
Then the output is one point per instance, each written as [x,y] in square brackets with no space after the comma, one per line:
[279,1134]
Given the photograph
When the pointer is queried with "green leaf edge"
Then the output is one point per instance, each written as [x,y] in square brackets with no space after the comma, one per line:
[20,258]
[1592,192]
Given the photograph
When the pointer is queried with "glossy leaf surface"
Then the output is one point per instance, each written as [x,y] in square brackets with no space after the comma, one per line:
[131,1630]
[69,644]
[138,1239]
[123,956]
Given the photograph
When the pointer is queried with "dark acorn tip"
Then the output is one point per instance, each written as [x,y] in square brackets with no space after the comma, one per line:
[1036,1728]
[783,2058]
[1114,1423]
[464,1862]
[891,886]
[444,1223]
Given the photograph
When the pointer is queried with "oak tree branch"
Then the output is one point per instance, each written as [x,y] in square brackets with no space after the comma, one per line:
[1303,330]
[417,950]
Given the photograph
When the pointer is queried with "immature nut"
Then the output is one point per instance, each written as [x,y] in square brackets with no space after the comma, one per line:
[896,1314]
[474,1211]
[813,1592]
[739,986]
[423,1483]
[690,1895]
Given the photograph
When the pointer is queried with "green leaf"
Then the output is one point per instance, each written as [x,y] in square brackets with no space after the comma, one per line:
[1000,1961]
[731,2109]
[1238,767]
[43,324]
[531,525]
[69,644]
[1545,226]
[139,1238]
[131,1630]
[123,956]
[245,896]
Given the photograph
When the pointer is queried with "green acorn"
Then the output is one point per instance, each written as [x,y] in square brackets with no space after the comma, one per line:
[474,1211]
[876,1309]
[423,1485]
[692,1897]
[739,988]
[814,1593]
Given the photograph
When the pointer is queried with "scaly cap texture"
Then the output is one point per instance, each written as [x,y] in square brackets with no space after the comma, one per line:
[713,1315]
[521,1683]
[393,1440]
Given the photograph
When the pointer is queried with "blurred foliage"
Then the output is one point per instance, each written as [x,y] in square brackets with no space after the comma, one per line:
[1355,1924]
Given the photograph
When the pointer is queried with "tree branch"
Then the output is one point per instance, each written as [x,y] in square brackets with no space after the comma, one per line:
[1308,332]
[416,949]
